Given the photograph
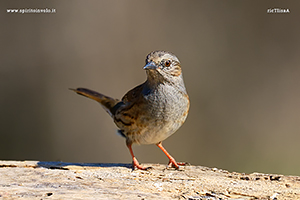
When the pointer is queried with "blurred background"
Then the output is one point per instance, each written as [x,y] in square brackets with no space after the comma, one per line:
[240,66]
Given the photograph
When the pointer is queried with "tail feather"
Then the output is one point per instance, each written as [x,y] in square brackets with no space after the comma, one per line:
[107,102]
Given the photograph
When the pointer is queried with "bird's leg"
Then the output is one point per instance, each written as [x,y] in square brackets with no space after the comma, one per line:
[172,162]
[135,163]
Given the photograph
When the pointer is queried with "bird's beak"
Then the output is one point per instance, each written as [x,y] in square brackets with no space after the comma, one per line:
[150,65]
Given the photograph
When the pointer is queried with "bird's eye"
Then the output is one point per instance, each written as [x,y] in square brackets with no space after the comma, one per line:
[168,63]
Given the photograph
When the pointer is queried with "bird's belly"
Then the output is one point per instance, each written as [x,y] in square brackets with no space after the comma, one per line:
[156,134]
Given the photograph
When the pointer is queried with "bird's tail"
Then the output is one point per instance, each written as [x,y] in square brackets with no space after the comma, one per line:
[107,102]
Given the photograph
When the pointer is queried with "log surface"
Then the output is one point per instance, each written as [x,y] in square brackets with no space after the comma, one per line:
[59,180]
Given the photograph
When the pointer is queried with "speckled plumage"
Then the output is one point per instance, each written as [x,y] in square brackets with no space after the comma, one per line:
[152,111]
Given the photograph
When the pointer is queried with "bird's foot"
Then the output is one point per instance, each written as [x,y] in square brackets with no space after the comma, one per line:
[136,165]
[176,165]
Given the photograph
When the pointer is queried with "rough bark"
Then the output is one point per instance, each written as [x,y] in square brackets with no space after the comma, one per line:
[59,180]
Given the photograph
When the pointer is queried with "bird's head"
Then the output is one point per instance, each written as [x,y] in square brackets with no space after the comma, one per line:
[163,66]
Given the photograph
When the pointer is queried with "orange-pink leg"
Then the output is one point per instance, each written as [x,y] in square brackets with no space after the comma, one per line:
[172,162]
[135,163]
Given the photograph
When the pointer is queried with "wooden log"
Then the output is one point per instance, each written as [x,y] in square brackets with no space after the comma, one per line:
[60,180]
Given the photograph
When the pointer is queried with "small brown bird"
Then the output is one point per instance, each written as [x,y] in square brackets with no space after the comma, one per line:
[152,111]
